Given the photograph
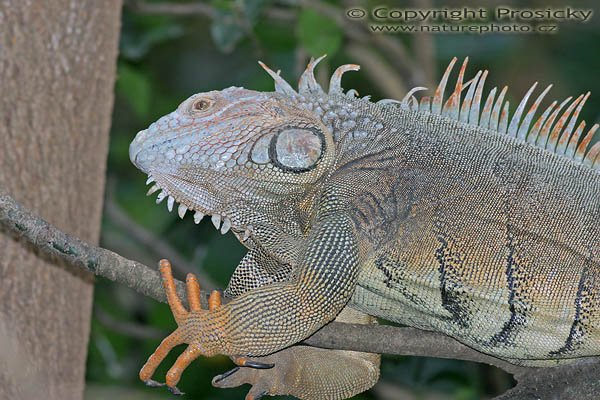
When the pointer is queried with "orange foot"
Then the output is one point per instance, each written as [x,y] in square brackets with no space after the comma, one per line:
[191,325]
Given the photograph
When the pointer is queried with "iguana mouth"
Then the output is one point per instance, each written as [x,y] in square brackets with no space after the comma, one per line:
[220,220]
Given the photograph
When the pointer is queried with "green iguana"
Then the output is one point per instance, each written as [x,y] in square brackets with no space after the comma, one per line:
[441,214]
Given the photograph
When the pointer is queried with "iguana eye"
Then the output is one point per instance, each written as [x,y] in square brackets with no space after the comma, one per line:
[202,105]
[297,149]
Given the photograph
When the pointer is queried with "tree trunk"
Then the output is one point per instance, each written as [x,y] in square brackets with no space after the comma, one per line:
[57,70]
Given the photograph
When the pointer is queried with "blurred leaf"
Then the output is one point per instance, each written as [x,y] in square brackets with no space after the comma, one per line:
[226,30]
[276,37]
[135,87]
[250,9]
[319,35]
[226,33]
[466,393]
[253,8]
[136,43]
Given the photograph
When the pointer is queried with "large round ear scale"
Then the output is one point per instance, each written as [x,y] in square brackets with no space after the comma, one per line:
[297,149]
[281,86]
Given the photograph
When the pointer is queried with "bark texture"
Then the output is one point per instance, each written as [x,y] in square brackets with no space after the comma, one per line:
[57,69]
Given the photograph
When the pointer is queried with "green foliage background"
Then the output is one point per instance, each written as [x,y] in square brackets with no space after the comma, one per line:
[166,58]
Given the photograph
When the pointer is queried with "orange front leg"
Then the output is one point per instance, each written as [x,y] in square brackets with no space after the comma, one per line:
[189,325]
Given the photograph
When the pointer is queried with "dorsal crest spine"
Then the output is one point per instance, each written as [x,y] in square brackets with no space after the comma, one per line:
[552,131]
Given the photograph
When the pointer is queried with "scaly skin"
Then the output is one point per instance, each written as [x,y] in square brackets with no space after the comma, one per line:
[433,215]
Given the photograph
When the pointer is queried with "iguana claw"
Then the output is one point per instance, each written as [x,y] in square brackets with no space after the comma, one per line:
[245,362]
[175,391]
[224,375]
[153,383]
[270,376]
[239,376]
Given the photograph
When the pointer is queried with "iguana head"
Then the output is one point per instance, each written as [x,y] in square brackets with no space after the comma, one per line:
[237,155]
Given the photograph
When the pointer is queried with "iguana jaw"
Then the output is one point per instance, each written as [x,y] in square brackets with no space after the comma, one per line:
[168,187]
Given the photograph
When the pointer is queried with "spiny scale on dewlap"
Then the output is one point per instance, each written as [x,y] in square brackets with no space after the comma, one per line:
[437,212]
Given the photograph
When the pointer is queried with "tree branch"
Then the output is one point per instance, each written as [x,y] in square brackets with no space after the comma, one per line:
[56,245]
[157,246]
[402,341]
[127,328]
[61,247]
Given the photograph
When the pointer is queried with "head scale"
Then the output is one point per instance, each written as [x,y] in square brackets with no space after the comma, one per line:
[234,154]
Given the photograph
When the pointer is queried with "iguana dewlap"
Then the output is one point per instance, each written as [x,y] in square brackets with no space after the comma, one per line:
[441,213]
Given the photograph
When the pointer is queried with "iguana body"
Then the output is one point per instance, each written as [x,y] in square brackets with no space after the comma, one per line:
[443,215]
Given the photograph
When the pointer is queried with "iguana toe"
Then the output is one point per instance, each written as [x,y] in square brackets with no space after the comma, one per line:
[304,372]
[195,327]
